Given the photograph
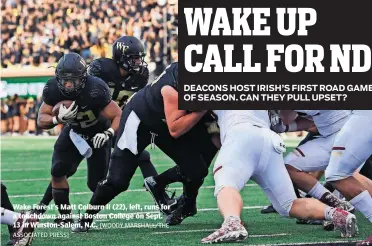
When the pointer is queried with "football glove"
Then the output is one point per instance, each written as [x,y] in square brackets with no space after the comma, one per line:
[276,123]
[101,138]
[65,115]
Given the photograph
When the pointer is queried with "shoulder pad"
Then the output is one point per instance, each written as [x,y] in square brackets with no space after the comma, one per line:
[95,68]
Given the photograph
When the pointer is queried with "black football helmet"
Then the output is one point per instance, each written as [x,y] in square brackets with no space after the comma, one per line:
[71,68]
[128,52]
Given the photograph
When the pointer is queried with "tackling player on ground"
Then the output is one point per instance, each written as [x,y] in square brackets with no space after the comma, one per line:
[350,150]
[22,225]
[262,162]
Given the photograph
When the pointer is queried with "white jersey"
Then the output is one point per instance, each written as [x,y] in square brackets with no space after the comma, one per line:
[367,113]
[328,121]
[229,118]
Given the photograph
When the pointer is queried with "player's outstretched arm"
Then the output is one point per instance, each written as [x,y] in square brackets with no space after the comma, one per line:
[45,118]
[293,123]
[179,121]
[112,112]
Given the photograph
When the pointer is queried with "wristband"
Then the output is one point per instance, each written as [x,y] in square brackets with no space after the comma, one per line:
[55,120]
[111,131]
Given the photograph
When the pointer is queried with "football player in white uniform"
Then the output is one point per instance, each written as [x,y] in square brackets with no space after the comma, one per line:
[352,147]
[258,155]
[314,155]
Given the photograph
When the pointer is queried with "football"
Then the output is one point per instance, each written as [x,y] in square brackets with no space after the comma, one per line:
[55,110]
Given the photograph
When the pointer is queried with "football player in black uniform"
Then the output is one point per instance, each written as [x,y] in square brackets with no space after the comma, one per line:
[92,115]
[152,116]
[125,74]
[5,203]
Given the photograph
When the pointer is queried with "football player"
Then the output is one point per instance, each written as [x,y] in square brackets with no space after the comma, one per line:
[23,223]
[314,154]
[92,115]
[6,204]
[20,225]
[125,74]
[350,150]
[152,116]
[263,163]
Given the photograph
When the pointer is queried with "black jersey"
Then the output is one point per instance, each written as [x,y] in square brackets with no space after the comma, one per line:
[121,87]
[148,102]
[91,101]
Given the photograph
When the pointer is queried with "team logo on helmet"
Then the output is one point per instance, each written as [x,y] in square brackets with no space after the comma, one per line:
[122,46]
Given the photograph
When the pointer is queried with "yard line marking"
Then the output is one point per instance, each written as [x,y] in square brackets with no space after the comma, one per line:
[312,243]
[43,179]
[106,213]
[211,230]
[48,168]
[129,190]
[157,211]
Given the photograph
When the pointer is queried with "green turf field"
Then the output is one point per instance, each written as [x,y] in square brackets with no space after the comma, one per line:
[25,170]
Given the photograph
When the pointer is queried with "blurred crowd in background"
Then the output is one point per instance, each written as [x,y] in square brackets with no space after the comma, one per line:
[18,117]
[36,33]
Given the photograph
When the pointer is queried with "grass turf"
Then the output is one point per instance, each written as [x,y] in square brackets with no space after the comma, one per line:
[25,171]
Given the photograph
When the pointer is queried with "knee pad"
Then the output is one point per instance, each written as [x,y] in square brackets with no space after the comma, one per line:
[225,176]
[195,175]
[284,208]
[118,184]
[71,172]
[342,165]
[331,176]
[144,156]
[292,156]
[92,185]
[58,170]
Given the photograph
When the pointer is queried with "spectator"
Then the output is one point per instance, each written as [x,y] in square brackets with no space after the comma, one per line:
[40,32]
[4,116]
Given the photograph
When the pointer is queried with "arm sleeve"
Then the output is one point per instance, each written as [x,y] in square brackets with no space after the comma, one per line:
[47,94]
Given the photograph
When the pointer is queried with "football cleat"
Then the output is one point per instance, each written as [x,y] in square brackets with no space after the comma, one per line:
[231,230]
[25,226]
[12,231]
[165,203]
[344,205]
[62,222]
[186,207]
[366,242]
[309,222]
[39,210]
[344,222]
[328,225]
[83,225]
[269,209]
[332,201]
